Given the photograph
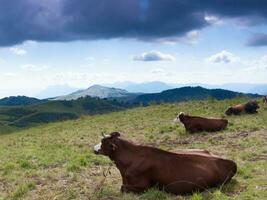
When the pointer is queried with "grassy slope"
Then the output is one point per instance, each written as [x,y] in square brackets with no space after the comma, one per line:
[55,161]
[20,117]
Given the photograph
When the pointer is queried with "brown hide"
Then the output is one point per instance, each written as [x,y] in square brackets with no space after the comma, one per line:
[235,110]
[197,124]
[249,107]
[142,167]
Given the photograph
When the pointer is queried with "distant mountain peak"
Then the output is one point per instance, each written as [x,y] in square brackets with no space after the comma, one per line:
[101,87]
[96,86]
[96,91]
[145,87]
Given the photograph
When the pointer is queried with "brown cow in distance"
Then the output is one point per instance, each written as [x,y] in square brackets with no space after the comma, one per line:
[249,107]
[184,172]
[197,124]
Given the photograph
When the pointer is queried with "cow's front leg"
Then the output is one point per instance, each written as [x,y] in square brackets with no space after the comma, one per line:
[138,185]
[124,182]
[135,178]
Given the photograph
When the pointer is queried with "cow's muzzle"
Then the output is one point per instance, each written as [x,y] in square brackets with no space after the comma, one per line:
[97,148]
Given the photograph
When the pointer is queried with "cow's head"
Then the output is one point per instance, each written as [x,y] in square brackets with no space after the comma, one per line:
[178,118]
[181,116]
[229,111]
[107,145]
[257,104]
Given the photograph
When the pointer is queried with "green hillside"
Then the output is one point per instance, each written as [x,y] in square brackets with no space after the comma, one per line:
[19,101]
[189,93]
[17,117]
[55,161]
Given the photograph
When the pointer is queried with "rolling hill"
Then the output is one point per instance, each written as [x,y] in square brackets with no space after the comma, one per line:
[12,118]
[158,86]
[189,93]
[19,101]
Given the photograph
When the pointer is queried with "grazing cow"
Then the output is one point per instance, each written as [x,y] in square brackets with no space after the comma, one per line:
[264,99]
[184,172]
[249,107]
[197,124]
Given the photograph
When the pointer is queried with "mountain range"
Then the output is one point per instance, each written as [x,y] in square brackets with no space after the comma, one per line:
[169,95]
[122,95]
[189,93]
[22,111]
[157,86]
[151,87]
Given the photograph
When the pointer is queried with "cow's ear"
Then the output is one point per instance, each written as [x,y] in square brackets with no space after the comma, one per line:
[115,134]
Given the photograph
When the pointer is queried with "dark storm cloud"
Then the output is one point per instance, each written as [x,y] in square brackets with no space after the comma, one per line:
[257,39]
[131,18]
[29,20]
[66,20]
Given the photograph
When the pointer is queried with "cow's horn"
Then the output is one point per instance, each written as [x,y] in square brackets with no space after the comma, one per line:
[104,135]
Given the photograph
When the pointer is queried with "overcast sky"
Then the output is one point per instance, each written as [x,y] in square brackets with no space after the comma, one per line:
[85,42]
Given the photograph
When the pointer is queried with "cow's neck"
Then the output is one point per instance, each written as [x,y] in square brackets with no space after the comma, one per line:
[125,153]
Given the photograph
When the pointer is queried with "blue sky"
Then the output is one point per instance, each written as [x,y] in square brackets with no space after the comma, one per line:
[223,47]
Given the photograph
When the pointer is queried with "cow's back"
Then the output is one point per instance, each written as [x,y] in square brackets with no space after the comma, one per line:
[237,109]
[216,124]
[205,124]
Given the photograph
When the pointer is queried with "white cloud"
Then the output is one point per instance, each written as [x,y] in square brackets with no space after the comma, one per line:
[191,37]
[154,56]
[223,57]
[17,51]
[212,19]
[33,68]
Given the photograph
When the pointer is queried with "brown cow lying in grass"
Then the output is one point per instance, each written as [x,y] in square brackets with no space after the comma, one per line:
[197,124]
[249,107]
[142,167]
